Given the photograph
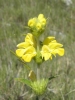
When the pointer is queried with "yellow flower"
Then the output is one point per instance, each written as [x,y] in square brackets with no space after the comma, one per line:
[31,22]
[29,41]
[26,49]
[29,53]
[43,21]
[38,26]
[40,16]
[51,47]
[48,40]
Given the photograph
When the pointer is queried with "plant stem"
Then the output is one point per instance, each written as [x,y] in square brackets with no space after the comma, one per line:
[38,72]
[37,98]
[38,67]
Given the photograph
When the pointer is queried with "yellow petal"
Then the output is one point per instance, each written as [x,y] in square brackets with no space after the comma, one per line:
[40,16]
[29,54]
[59,51]
[27,58]
[43,21]
[31,22]
[55,45]
[38,26]
[48,40]
[23,45]
[30,39]
[46,52]
[20,52]
[30,50]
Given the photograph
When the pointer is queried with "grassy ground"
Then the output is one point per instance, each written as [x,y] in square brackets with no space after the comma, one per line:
[14,15]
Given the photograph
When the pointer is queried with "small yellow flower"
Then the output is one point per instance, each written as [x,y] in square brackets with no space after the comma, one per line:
[30,39]
[26,50]
[46,52]
[43,21]
[26,54]
[51,47]
[29,54]
[31,22]
[40,16]
[38,26]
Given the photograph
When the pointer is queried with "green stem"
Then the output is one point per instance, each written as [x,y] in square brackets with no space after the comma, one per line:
[38,68]
[38,44]
[37,98]
[38,72]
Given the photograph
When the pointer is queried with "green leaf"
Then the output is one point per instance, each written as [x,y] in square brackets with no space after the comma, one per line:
[25,81]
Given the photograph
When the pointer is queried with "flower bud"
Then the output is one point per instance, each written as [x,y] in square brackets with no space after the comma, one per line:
[31,22]
[40,16]
[38,26]
[43,21]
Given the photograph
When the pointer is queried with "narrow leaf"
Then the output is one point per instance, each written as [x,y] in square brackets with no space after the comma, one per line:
[25,81]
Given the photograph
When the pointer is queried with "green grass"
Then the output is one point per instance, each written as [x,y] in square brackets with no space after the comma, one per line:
[14,15]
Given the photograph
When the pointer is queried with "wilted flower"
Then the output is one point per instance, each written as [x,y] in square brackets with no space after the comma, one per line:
[32,76]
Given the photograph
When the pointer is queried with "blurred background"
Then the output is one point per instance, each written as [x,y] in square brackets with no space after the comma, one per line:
[14,15]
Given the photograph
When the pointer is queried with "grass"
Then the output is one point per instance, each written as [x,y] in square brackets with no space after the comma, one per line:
[14,15]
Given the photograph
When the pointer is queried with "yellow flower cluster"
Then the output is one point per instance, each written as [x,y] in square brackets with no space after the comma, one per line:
[27,50]
[37,24]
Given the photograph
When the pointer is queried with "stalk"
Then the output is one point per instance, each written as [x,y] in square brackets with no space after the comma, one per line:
[37,98]
[38,72]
